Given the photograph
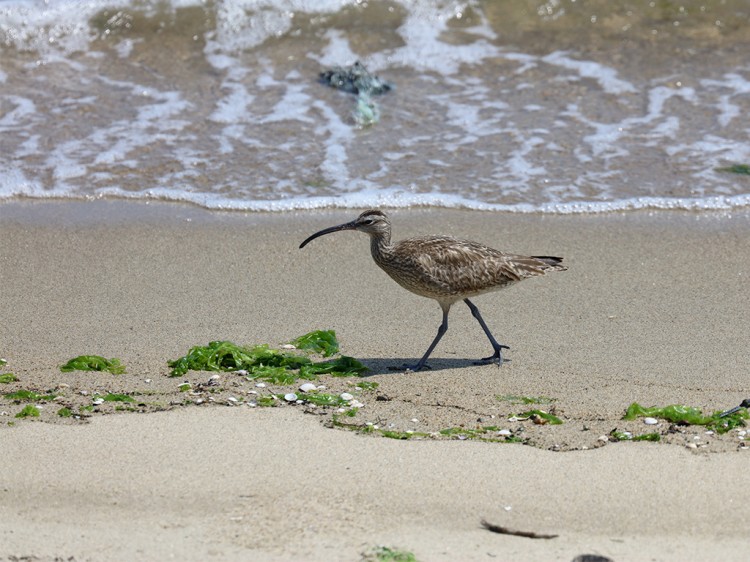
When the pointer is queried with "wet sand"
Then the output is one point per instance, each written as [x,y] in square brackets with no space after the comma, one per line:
[653,309]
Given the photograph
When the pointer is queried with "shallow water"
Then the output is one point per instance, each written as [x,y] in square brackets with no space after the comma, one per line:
[557,106]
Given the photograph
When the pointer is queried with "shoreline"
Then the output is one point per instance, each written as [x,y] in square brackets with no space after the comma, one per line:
[653,309]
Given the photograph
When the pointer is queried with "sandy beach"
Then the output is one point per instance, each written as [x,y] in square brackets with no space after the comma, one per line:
[653,309]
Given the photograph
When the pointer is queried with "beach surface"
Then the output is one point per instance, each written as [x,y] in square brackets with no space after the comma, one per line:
[653,309]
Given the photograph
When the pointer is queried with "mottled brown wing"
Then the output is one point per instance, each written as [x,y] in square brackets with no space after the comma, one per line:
[450,266]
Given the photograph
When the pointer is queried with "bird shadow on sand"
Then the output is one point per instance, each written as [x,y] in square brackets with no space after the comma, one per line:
[395,366]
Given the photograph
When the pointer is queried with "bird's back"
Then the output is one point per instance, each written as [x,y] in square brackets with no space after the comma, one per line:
[446,268]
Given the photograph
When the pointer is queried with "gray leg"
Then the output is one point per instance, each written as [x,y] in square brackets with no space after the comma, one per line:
[441,330]
[496,357]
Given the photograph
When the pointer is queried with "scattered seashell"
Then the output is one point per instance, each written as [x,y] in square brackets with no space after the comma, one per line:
[252,404]
[291,397]
[98,401]
[288,346]
[508,507]
[603,438]
[214,377]
[346,396]
[147,381]
[341,410]
[252,392]
[415,420]
[63,385]
[84,393]
[322,387]
[241,372]
[691,446]
[260,385]
[505,432]
[199,401]
[650,421]
[709,432]
[232,399]
[356,404]
[308,387]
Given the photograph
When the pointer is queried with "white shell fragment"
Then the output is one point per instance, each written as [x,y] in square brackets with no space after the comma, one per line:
[308,387]
[650,421]
[98,401]
[505,432]
[291,397]
[260,385]
[346,396]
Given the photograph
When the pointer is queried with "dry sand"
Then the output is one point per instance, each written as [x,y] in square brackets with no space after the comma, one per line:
[654,309]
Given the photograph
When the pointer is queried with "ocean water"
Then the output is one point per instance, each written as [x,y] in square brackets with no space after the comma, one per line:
[528,106]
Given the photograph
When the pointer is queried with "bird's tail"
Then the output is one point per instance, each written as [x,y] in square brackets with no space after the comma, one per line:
[553,262]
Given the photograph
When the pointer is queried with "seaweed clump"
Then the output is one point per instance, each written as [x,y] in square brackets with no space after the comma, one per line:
[263,363]
[687,415]
[93,363]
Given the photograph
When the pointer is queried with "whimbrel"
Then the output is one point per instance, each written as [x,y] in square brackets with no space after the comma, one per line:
[446,269]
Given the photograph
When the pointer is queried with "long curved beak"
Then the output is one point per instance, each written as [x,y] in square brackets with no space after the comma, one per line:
[346,226]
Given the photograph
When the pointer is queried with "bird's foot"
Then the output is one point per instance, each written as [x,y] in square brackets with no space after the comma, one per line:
[406,367]
[496,357]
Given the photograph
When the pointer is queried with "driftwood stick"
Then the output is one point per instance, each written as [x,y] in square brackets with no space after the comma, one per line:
[507,531]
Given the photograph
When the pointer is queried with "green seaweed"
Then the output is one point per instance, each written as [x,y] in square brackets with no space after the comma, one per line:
[319,341]
[552,419]
[266,364]
[93,363]
[343,366]
[118,398]
[3,362]
[321,399]
[267,401]
[687,415]
[623,436]
[484,433]
[6,378]
[28,396]
[386,554]
[743,169]
[29,411]
[64,412]
[366,385]
[274,375]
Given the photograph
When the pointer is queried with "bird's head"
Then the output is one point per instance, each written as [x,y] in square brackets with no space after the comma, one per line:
[374,223]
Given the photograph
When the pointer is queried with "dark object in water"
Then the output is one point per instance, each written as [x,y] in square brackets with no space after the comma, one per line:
[354,80]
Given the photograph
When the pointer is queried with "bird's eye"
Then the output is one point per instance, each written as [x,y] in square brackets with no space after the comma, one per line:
[367,221]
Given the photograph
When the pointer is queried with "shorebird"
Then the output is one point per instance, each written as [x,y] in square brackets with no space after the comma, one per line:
[446,269]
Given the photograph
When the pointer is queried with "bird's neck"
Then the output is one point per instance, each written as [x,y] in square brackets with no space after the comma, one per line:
[380,245]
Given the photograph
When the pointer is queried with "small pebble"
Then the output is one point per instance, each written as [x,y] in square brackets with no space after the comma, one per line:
[356,404]
[603,438]
[691,446]
[147,381]
[709,432]
[84,393]
[650,421]
[291,397]
[232,399]
[214,377]
[346,396]
[307,387]
[260,385]
[252,392]
[199,401]
[288,346]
